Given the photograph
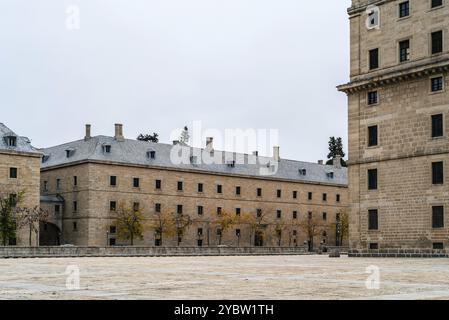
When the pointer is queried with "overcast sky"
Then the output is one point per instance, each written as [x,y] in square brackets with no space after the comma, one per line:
[157,65]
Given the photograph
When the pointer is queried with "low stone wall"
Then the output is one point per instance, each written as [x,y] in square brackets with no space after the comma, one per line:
[399,253]
[55,252]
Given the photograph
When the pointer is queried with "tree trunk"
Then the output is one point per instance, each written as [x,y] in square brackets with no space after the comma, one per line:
[30,235]
[132,239]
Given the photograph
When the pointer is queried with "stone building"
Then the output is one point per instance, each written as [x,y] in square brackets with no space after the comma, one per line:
[398,124]
[19,172]
[85,181]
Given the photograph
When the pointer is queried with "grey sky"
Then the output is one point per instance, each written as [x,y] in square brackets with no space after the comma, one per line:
[156,65]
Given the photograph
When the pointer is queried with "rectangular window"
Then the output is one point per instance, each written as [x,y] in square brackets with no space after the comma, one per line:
[75,181]
[436,84]
[13,199]
[158,184]
[324,215]
[278,193]
[113,181]
[259,213]
[437,217]
[238,211]
[157,207]
[179,208]
[219,210]
[200,187]
[278,214]
[136,182]
[75,226]
[259,192]
[238,191]
[310,215]
[372,136]
[75,206]
[324,196]
[200,232]
[295,194]
[180,185]
[374,246]
[437,125]
[438,246]
[338,198]
[437,173]
[200,210]
[238,232]
[373,97]
[57,209]
[58,184]
[373,220]
[404,9]
[310,195]
[295,215]
[436,3]
[404,50]
[219,188]
[45,185]
[373,59]
[136,206]
[112,206]
[13,173]
[372,179]
[437,42]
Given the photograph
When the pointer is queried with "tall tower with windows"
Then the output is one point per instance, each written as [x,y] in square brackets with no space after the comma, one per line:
[398,100]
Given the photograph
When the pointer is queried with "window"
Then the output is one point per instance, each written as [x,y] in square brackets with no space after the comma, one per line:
[157,207]
[158,184]
[13,173]
[372,179]
[75,226]
[13,199]
[136,206]
[57,209]
[112,229]
[200,232]
[436,84]
[324,216]
[438,246]
[279,193]
[404,50]
[437,173]
[373,222]
[295,215]
[259,213]
[372,97]
[12,141]
[278,214]
[75,181]
[75,206]
[372,136]
[200,242]
[200,210]
[107,148]
[310,196]
[437,125]
[373,59]
[218,232]
[112,206]
[238,232]
[179,208]
[136,182]
[436,3]
[180,186]
[295,194]
[310,215]
[112,242]
[152,154]
[238,211]
[45,185]
[219,188]
[374,246]
[113,181]
[437,42]
[200,187]
[404,9]
[219,210]
[324,196]
[238,191]
[338,198]
[58,184]
[259,192]
[437,217]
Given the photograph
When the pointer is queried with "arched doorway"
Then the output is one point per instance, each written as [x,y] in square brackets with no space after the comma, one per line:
[49,234]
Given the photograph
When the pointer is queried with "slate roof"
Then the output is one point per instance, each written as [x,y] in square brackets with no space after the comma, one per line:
[137,153]
[23,144]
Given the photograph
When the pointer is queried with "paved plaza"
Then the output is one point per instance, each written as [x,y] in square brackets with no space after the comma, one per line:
[256,277]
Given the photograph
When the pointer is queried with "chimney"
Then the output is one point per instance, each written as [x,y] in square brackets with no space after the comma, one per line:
[119,132]
[337,162]
[320,162]
[210,143]
[87,136]
[276,153]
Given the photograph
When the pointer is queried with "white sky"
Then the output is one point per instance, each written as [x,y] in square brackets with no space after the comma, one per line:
[157,65]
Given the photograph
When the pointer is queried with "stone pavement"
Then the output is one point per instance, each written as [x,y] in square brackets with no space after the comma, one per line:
[256,277]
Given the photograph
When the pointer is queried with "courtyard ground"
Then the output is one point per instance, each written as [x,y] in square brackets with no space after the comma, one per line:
[256,277]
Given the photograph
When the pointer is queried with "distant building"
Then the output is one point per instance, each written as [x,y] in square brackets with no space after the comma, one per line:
[19,172]
[398,124]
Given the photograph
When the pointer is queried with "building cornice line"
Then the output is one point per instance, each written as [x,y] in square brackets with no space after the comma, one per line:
[351,163]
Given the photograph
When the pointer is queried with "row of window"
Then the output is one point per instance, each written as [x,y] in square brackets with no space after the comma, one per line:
[404,51]
[437,130]
[437,175]
[404,7]
[437,218]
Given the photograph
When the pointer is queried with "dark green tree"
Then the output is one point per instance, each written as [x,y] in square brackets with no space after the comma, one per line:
[149,137]
[9,217]
[336,149]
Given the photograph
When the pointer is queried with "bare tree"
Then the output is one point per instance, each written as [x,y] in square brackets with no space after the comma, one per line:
[30,218]
[129,223]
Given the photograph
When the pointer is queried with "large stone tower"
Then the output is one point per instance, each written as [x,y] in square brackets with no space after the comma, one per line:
[399,124]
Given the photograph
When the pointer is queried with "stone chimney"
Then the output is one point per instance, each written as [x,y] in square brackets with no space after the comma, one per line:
[87,135]
[320,162]
[119,132]
[210,143]
[337,162]
[276,156]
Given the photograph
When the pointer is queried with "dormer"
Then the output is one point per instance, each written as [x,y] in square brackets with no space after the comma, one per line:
[302,172]
[194,160]
[69,152]
[106,148]
[45,158]
[151,154]
[11,141]
[330,174]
